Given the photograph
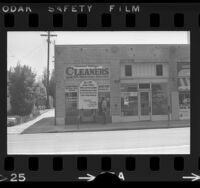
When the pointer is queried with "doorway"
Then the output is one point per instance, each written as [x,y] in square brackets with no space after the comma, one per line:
[136,103]
[144,105]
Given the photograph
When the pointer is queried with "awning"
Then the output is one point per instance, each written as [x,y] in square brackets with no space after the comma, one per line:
[183,84]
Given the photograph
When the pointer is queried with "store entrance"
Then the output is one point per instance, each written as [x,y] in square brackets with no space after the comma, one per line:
[136,102]
[73,115]
[145,105]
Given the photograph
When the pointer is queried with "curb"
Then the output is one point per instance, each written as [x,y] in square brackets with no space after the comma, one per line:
[111,129]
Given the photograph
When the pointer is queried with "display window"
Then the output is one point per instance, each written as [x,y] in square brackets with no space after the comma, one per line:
[184,104]
[183,83]
[129,100]
[184,100]
[85,115]
[129,104]
[71,104]
[159,99]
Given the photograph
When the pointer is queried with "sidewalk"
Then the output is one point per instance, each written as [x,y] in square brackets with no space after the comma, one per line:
[46,125]
[17,129]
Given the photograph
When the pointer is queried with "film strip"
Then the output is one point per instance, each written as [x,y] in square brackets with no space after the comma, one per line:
[173,160]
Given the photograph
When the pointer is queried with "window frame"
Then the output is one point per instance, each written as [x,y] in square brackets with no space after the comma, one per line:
[130,69]
[159,64]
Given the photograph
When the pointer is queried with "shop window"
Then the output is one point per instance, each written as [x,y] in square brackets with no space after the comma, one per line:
[159,70]
[159,99]
[71,104]
[184,104]
[184,100]
[128,70]
[71,108]
[129,100]
[183,83]
[129,104]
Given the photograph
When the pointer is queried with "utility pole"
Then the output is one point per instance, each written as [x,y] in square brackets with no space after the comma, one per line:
[48,35]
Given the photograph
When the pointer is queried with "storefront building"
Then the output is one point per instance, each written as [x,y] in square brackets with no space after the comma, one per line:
[138,82]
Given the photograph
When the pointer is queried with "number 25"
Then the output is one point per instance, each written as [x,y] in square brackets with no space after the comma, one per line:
[18,177]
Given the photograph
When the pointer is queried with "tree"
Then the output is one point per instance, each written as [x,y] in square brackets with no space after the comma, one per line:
[40,94]
[21,90]
[44,78]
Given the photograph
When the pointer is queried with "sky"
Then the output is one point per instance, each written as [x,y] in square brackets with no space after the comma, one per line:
[29,48]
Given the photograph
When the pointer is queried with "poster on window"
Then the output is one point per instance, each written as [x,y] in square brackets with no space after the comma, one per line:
[184,105]
[88,95]
[183,70]
[184,114]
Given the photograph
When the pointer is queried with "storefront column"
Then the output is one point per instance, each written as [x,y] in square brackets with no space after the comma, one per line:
[60,93]
[115,107]
[173,90]
[60,106]
[175,105]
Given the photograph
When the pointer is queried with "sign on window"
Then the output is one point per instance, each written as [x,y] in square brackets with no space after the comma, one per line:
[88,95]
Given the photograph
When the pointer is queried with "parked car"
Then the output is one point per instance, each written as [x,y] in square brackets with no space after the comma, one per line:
[11,121]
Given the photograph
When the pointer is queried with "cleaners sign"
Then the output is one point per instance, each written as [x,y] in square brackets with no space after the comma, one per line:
[88,95]
[87,72]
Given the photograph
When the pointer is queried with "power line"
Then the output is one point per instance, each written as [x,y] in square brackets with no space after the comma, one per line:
[31,51]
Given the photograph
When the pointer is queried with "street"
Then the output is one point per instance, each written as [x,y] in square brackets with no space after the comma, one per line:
[148,141]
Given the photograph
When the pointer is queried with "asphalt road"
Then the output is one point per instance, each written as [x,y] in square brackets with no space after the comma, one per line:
[148,141]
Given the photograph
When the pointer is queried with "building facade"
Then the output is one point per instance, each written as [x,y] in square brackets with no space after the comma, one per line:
[139,82]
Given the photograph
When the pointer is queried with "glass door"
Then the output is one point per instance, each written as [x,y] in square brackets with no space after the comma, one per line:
[145,106]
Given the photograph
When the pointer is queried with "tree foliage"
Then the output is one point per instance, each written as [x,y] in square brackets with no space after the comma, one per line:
[44,78]
[40,94]
[22,89]
[52,83]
